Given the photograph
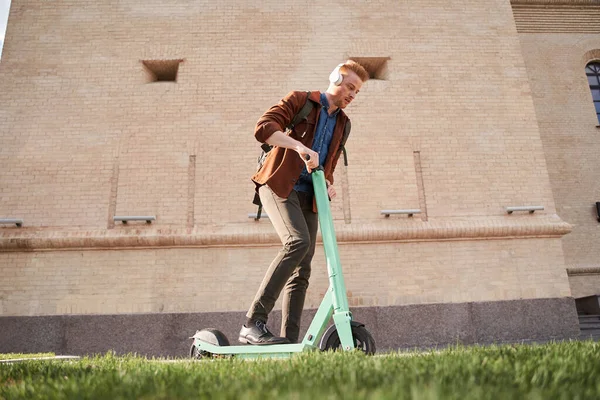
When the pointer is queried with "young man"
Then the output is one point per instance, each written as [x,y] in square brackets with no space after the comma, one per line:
[284,185]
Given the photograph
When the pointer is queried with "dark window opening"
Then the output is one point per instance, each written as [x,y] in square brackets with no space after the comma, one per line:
[593,75]
[161,70]
[377,67]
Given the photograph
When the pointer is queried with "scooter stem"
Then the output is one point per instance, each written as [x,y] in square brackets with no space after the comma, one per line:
[336,278]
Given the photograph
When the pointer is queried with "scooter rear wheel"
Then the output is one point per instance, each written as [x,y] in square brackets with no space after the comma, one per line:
[197,354]
[363,340]
[212,336]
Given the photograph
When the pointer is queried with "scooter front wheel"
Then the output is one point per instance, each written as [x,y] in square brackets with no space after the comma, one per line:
[363,340]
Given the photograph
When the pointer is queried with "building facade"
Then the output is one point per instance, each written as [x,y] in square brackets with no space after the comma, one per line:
[113,109]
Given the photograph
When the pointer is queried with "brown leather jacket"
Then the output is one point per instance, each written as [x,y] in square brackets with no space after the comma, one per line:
[282,167]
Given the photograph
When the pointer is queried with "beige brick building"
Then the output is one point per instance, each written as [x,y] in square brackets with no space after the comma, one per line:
[477,106]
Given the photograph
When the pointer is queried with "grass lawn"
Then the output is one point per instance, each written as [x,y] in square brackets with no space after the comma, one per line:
[566,370]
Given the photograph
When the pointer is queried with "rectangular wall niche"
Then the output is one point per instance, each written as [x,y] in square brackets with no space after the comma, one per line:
[377,67]
[161,70]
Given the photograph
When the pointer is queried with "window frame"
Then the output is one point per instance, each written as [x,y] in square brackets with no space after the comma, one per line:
[592,69]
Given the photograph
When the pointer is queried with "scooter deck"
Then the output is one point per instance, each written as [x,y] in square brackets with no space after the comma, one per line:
[258,351]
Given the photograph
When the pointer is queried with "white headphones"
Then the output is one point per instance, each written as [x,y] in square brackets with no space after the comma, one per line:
[336,76]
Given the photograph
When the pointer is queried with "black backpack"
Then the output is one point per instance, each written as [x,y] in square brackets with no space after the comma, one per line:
[302,115]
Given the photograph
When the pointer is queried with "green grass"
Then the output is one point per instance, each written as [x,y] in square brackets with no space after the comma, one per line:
[550,371]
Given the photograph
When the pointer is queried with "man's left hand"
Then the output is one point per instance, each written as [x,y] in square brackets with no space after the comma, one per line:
[330,190]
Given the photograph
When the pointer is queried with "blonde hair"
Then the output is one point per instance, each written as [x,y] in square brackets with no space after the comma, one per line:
[357,69]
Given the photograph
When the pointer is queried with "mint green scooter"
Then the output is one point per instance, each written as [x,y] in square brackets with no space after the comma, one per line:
[344,334]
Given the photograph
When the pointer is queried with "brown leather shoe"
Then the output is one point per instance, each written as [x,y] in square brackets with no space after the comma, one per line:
[259,334]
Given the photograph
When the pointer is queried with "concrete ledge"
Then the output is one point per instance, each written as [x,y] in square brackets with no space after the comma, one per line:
[555,2]
[19,360]
[424,325]
[235,235]
[577,271]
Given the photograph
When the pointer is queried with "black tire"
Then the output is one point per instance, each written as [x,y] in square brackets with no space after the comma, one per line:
[363,340]
[212,336]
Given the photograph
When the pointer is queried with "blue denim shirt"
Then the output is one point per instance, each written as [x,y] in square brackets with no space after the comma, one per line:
[323,136]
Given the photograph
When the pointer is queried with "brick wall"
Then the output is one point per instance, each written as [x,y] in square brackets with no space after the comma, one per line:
[585,285]
[214,279]
[452,131]
[556,56]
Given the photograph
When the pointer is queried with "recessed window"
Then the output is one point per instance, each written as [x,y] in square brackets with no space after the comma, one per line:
[593,75]
[376,66]
[161,70]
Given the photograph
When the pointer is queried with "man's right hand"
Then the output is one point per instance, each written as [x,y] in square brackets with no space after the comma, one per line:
[310,158]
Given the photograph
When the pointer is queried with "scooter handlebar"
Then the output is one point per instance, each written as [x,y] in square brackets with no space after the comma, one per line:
[319,168]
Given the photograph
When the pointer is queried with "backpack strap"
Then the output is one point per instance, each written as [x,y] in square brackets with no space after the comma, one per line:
[347,129]
[302,114]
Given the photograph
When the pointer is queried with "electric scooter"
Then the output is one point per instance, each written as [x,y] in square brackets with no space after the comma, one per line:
[344,333]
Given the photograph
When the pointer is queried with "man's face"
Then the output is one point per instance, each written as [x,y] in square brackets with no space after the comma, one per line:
[347,91]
